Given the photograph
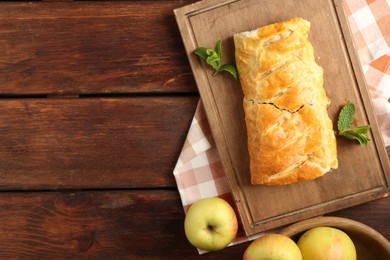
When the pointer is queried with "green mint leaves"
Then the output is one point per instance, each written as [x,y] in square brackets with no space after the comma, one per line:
[213,58]
[344,123]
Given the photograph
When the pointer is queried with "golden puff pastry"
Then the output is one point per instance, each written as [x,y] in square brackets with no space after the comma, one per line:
[290,135]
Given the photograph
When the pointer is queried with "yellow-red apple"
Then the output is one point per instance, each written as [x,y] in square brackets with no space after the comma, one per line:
[273,247]
[322,243]
[210,224]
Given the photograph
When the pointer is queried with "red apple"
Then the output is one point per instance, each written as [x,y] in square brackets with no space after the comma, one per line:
[273,247]
[210,224]
[322,243]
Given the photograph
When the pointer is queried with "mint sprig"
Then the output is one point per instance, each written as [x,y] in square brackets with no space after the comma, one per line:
[213,58]
[344,123]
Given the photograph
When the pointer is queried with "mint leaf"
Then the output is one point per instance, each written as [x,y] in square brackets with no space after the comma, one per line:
[344,123]
[214,57]
[202,52]
[361,129]
[350,136]
[213,60]
[346,116]
[210,56]
[363,139]
[231,69]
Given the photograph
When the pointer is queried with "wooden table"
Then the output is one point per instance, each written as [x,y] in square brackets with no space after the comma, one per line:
[95,102]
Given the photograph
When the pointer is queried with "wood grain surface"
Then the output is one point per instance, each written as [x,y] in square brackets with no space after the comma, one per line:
[96,98]
[92,142]
[92,47]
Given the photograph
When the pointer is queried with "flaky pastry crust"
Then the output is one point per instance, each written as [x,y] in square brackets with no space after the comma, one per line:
[290,135]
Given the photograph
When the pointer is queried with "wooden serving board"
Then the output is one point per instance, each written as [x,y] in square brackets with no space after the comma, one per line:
[363,172]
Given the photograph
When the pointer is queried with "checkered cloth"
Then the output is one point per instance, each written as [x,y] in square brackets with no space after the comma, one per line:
[199,172]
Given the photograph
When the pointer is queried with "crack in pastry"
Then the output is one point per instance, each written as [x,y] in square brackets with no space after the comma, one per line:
[276,106]
[290,135]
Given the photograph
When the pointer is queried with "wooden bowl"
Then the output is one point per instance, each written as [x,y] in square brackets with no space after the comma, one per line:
[369,243]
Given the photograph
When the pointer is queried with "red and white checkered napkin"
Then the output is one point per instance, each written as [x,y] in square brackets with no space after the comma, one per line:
[369,21]
[199,172]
